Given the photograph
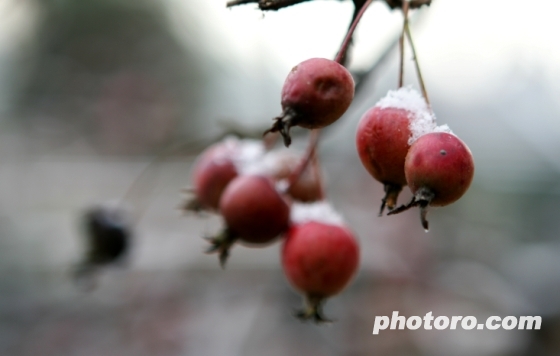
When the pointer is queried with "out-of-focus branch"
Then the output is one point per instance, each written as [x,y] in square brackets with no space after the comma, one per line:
[266,4]
[412,4]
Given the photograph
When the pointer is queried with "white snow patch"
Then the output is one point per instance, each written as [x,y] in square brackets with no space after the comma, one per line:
[321,211]
[444,128]
[245,154]
[282,185]
[422,119]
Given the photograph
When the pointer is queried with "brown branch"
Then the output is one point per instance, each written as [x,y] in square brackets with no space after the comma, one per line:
[240,2]
[278,4]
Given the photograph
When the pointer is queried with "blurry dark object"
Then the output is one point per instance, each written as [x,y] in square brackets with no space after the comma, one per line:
[108,234]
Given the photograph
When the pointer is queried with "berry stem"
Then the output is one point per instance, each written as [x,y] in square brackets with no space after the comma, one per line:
[401,44]
[313,310]
[416,63]
[348,39]
[310,155]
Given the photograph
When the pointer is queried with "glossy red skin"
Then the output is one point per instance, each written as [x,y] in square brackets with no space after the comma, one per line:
[212,172]
[318,91]
[447,175]
[320,259]
[253,210]
[382,143]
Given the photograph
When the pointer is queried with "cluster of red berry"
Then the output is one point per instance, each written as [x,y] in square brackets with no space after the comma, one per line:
[262,195]
[265,194]
[399,144]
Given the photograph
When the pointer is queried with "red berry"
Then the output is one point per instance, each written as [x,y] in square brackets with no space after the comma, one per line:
[316,93]
[213,171]
[217,166]
[254,213]
[439,168]
[382,143]
[319,260]
[384,135]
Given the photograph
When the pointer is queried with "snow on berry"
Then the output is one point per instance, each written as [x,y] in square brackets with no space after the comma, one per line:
[321,211]
[385,133]
[217,166]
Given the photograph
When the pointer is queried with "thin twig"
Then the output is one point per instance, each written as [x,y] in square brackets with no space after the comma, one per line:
[344,47]
[401,44]
[240,2]
[417,64]
[307,158]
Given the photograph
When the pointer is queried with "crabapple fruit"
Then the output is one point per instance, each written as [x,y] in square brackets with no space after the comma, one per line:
[316,93]
[255,213]
[212,173]
[382,144]
[217,166]
[439,169]
[319,259]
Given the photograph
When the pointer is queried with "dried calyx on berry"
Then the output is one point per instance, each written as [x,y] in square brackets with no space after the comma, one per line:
[320,255]
[384,135]
[255,213]
[316,93]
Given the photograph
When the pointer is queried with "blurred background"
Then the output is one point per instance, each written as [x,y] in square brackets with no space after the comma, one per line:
[91,92]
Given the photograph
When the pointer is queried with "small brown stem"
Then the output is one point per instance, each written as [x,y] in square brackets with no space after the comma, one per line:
[344,47]
[313,310]
[417,64]
[401,44]
[307,158]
